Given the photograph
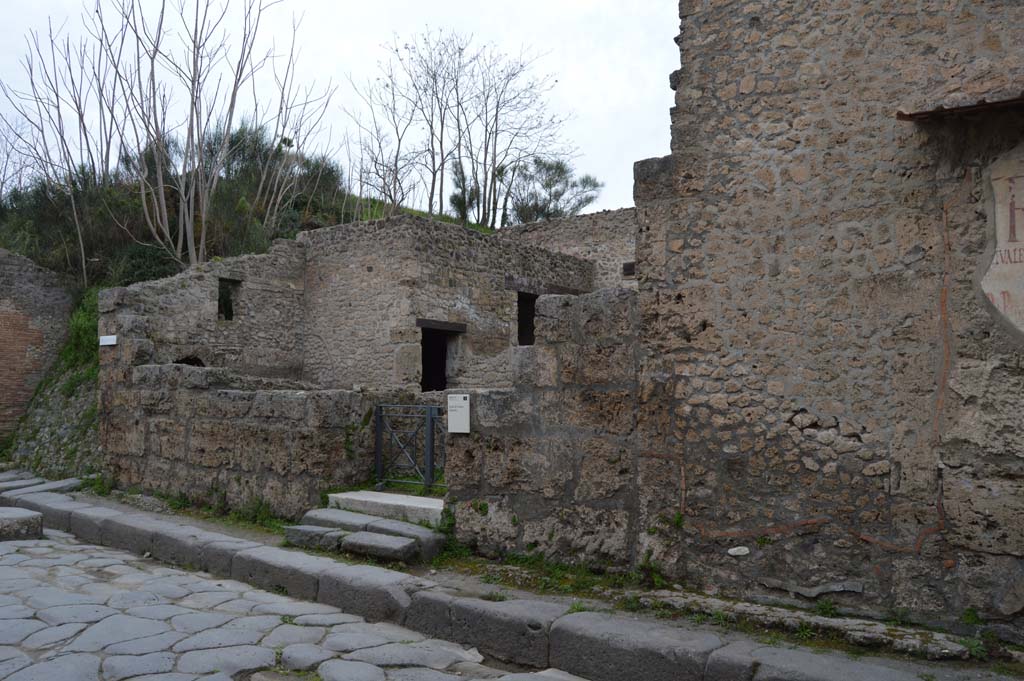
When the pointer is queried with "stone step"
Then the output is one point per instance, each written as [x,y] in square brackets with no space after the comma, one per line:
[20,523]
[394,506]
[375,544]
[20,483]
[323,529]
[384,546]
[338,519]
[7,476]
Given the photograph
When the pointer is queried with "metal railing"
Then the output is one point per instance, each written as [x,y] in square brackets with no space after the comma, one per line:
[409,444]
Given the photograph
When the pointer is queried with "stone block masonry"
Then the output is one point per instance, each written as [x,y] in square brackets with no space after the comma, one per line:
[34,308]
[253,379]
[827,383]
[553,464]
[607,238]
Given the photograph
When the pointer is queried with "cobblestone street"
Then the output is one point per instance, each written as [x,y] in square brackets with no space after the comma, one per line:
[76,612]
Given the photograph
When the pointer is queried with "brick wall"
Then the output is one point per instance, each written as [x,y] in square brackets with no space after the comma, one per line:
[34,311]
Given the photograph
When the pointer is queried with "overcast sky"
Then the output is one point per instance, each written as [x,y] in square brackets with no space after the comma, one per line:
[612,59]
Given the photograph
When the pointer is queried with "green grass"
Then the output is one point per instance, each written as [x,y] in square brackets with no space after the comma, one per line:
[826,608]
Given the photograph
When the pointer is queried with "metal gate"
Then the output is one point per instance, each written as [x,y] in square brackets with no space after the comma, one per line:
[409,444]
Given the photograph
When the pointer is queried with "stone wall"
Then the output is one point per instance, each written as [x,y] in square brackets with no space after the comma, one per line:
[179,318]
[220,438]
[34,309]
[608,239]
[259,407]
[551,465]
[830,387]
[367,285]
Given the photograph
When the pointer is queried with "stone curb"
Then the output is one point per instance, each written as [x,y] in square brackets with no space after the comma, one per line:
[539,634]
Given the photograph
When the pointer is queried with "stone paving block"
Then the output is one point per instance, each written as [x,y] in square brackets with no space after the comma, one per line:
[303,656]
[298,574]
[131,532]
[306,536]
[781,664]
[344,670]
[371,592]
[69,485]
[514,631]
[216,557]
[342,520]
[20,523]
[183,545]
[607,648]
[64,668]
[19,483]
[124,666]
[230,661]
[732,662]
[86,523]
[381,546]
[430,543]
[56,508]
[430,613]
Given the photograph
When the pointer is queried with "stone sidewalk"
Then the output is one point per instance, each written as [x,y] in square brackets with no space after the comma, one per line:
[77,612]
[518,634]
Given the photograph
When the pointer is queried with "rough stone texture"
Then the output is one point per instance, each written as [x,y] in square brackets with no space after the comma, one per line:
[271,414]
[607,238]
[819,376]
[515,631]
[366,285]
[821,370]
[34,310]
[605,648]
[20,523]
[552,465]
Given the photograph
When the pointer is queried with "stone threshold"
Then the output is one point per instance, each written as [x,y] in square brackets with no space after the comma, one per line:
[533,633]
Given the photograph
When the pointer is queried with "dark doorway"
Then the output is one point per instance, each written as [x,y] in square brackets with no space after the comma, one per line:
[527,313]
[435,359]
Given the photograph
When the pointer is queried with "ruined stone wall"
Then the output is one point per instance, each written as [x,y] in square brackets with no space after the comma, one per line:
[823,381]
[177,318]
[367,285]
[221,438]
[34,309]
[551,463]
[608,239]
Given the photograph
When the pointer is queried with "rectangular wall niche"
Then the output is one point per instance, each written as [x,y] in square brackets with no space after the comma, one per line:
[527,316]
[227,298]
[437,345]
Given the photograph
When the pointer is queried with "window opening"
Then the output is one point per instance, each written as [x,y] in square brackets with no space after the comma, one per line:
[527,316]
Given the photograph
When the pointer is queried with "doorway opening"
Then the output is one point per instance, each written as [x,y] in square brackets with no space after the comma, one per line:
[438,342]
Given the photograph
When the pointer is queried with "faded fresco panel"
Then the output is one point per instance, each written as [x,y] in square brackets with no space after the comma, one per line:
[1003,283]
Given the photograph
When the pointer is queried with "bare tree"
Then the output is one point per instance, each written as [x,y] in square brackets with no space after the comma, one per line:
[386,136]
[474,113]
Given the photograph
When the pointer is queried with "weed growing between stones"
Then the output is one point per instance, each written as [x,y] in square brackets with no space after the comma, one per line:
[826,607]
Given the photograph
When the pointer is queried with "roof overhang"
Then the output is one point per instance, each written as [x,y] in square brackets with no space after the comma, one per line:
[983,106]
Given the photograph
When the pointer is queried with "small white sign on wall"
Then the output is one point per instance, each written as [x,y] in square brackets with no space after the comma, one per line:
[108,340]
[458,413]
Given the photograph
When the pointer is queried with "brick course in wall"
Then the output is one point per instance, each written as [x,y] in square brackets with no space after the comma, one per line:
[34,310]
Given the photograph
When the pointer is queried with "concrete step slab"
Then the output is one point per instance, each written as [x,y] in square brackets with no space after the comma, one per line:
[383,546]
[393,506]
[342,520]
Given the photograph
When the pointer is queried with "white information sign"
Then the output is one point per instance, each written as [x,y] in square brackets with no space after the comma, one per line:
[458,413]
[108,340]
